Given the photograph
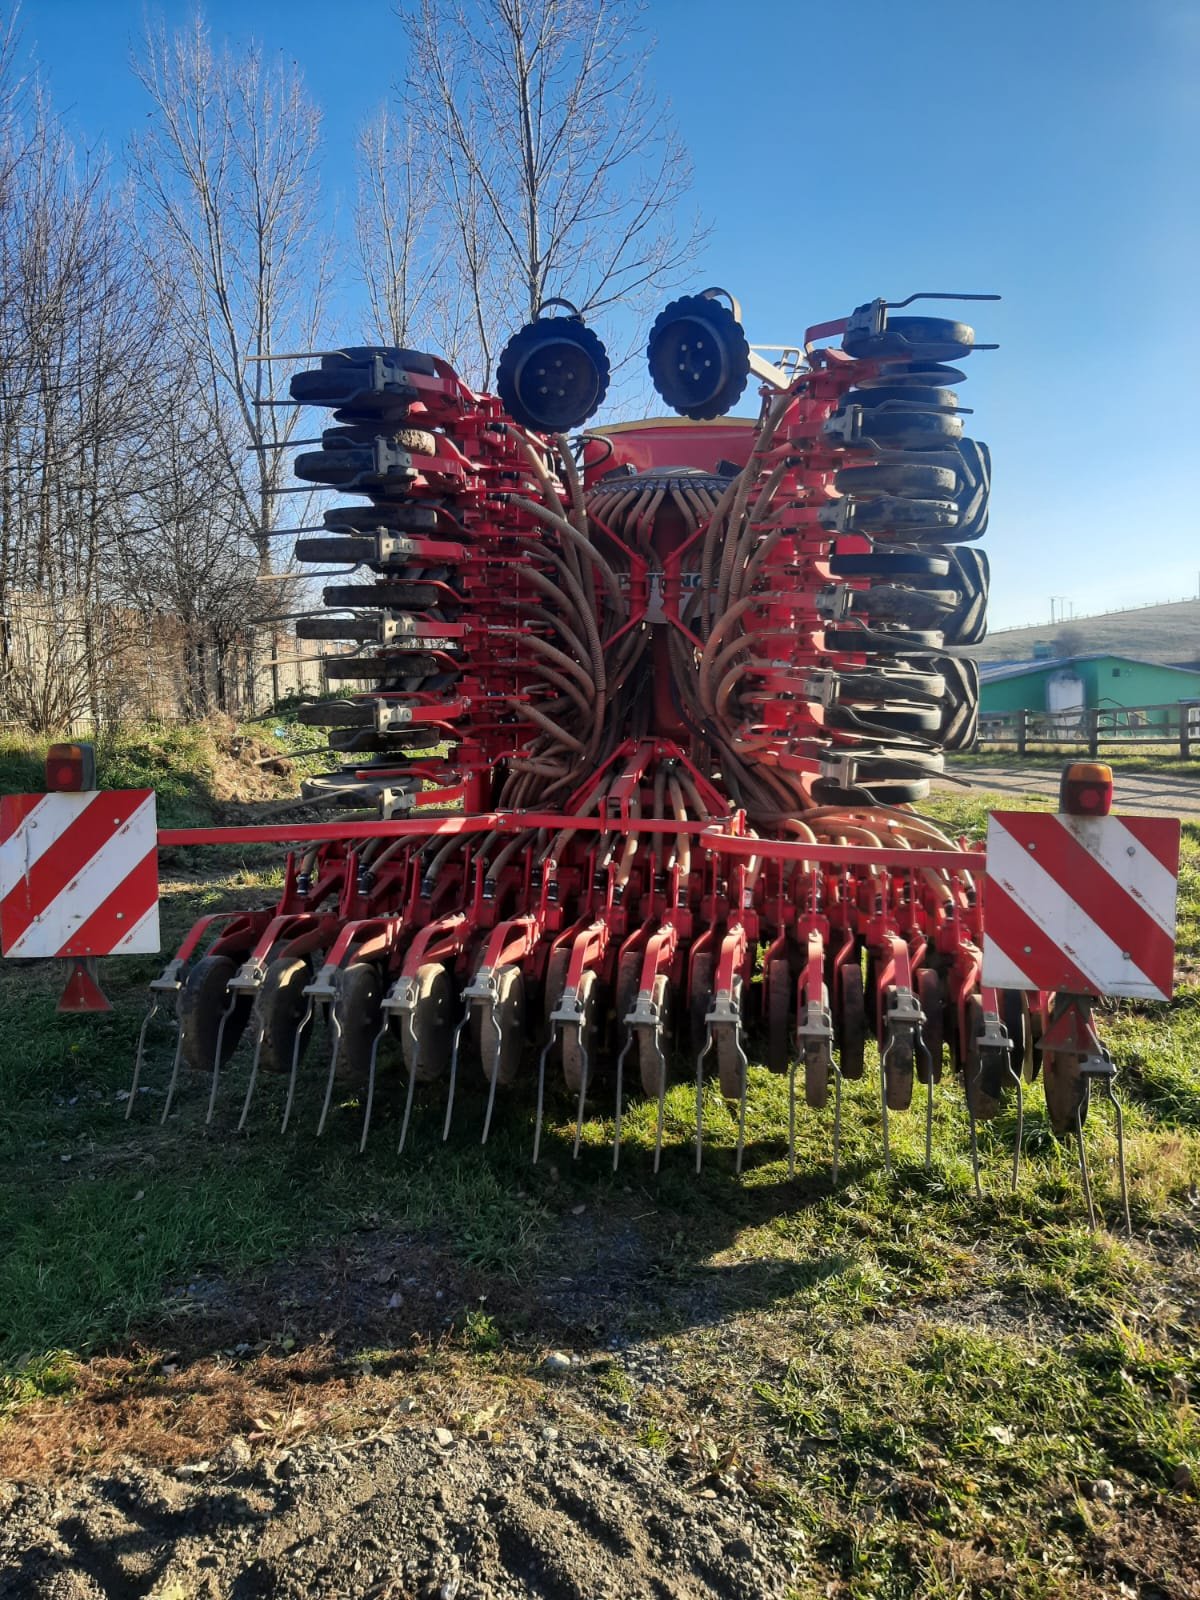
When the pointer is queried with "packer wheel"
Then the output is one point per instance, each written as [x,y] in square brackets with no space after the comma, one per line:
[731,1055]
[852,1023]
[982,1076]
[358,1011]
[931,994]
[651,1064]
[280,1009]
[779,1015]
[500,1058]
[581,1041]
[816,1066]
[898,1067]
[427,1043]
[200,1007]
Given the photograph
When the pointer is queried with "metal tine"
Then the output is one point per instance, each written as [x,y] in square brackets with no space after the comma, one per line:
[366,1128]
[926,1058]
[583,1089]
[1083,1170]
[258,1044]
[335,1024]
[458,1033]
[708,1044]
[974,1141]
[793,1068]
[1119,1117]
[884,1056]
[1015,1073]
[621,1054]
[137,1060]
[662,1097]
[541,1092]
[837,1120]
[744,1062]
[305,1024]
[174,1074]
[216,1072]
[494,1077]
[412,1080]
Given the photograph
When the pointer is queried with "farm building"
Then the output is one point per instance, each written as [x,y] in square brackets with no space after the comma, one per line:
[1067,685]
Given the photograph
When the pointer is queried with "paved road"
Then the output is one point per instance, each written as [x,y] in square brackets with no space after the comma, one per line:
[1148,793]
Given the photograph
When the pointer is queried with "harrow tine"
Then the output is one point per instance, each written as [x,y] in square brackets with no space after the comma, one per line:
[662,1098]
[884,1056]
[258,1044]
[621,1054]
[1119,1118]
[412,1080]
[541,1094]
[837,1120]
[1083,1170]
[174,1075]
[300,1034]
[708,1044]
[495,1076]
[1015,1074]
[216,1072]
[137,1060]
[583,1089]
[926,1060]
[974,1147]
[336,1025]
[793,1067]
[375,1043]
[458,1033]
[744,1062]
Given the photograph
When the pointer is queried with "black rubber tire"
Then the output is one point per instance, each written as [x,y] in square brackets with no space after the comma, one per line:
[337,549]
[931,992]
[358,1010]
[913,339]
[337,714]
[397,596]
[345,379]
[872,641]
[901,683]
[915,374]
[410,517]
[200,1005]
[337,628]
[904,479]
[1014,1014]
[280,1010]
[851,1022]
[960,720]
[892,518]
[714,390]
[779,1015]
[899,793]
[559,340]
[907,430]
[965,623]
[699,1000]
[890,565]
[383,669]
[905,607]
[882,722]
[899,394]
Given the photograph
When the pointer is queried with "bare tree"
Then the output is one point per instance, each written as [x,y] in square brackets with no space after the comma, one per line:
[551,167]
[227,177]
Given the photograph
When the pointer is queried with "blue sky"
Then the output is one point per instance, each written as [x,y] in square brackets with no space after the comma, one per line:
[1047,151]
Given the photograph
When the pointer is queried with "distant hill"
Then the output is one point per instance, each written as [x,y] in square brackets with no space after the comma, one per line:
[1169,633]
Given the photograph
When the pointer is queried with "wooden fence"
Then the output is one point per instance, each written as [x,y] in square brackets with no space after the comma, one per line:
[1176,723]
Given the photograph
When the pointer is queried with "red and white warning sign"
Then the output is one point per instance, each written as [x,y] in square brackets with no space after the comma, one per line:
[1085,905]
[79,873]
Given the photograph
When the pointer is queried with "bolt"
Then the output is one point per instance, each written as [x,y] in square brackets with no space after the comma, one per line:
[1033,847]
[1130,851]
[1028,949]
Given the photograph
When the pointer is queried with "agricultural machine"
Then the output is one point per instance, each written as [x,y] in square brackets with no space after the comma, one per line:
[631,723]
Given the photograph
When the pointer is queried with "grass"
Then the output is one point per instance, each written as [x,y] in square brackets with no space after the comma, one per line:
[925,1384]
[1150,758]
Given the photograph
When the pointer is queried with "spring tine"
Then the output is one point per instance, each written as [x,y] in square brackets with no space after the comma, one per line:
[662,1098]
[375,1043]
[412,1079]
[708,1044]
[1017,1079]
[745,1095]
[258,1044]
[495,1077]
[174,1074]
[837,1119]
[216,1072]
[883,1061]
[336,1024]
[974,1148]
[541,1094]
[792,1115]
[137,1060]
[305,1024]
[583,1088]
[1119,1116]
[622,1053]
[927,1062]
[458,1033]
[1083,1170]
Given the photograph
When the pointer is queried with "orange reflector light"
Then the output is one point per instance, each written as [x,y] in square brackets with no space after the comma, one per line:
[1086,789]
[70,768]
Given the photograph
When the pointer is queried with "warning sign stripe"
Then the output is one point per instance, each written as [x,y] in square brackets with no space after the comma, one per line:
[85,862]
[1028,948]
[1115,912]
[113,924]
